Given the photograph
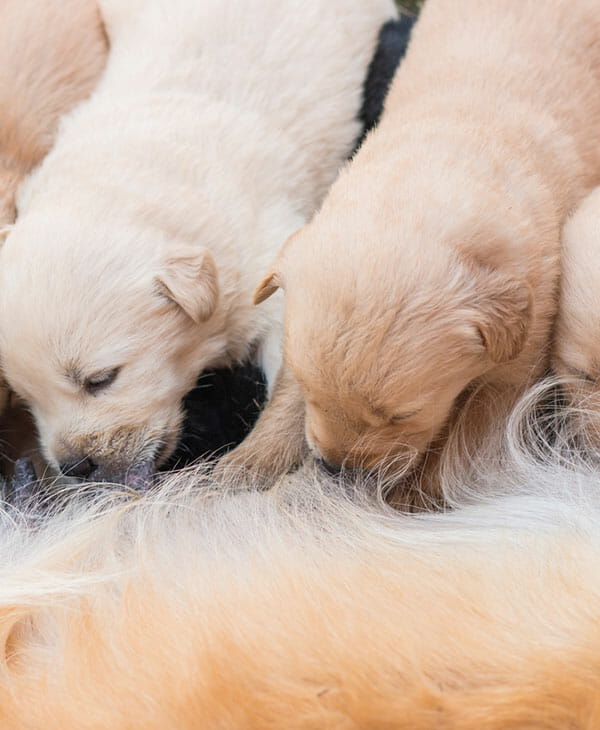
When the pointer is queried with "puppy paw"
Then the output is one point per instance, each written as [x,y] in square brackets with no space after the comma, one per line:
[259,463]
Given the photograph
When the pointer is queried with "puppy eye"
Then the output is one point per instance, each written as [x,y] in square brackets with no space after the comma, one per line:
[398,418]
[100,381]
[582,375]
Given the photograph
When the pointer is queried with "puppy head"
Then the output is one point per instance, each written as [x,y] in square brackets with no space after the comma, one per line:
[576,351]
[382,350]
[102,333]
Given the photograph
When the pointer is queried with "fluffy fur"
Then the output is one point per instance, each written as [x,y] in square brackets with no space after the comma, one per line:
[222,409]
[577,334]
[215,132]
[308,607]
[424,290]
[51,55]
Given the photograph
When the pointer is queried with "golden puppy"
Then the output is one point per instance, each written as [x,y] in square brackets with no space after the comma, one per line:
[423,291]
[51,55]
[302,609]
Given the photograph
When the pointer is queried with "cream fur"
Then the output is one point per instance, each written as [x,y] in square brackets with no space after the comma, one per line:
[214,134]
[51,55]
[308,607]
[431,270]
[577,334]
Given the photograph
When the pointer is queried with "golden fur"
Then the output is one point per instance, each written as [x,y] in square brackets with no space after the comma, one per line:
[51,55]
[307,608]
[431,270]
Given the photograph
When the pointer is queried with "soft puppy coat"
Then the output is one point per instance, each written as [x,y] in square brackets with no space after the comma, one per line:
[576,354]
[223,407]
[419,300]
[215,132]
[51,56]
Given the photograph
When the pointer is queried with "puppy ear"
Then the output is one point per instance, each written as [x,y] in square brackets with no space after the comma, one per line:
[269,285]
[189,279]
[503,316]
[274,279]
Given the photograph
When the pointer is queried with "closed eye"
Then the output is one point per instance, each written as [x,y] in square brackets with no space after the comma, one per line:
[100,381]
[581,374]
[399,417]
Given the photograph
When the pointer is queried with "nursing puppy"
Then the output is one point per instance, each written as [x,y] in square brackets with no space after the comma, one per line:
[577,333]
[214,134]
[419,300]
[51,55]
[304,609]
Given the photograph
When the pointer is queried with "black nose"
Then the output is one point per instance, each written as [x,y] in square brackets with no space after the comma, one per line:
[80,469]
[330,468]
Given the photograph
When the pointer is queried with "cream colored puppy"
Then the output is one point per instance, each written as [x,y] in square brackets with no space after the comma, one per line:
[215,133]
[577,333]
[431,270]
[51,55]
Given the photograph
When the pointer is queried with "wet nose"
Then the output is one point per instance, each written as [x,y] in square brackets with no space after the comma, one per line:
[82,468]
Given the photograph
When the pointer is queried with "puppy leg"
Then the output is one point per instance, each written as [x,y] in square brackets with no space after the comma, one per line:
[276,444]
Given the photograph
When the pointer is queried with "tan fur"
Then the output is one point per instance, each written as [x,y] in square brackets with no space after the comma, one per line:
[576,354]
[432,266]
[298,610]
[51,55]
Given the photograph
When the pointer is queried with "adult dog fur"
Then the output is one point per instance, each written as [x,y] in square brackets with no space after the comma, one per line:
[51,55]
[305,608]
[215,133]
[430,272]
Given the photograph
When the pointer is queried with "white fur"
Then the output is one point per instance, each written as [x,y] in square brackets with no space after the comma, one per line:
[214,134]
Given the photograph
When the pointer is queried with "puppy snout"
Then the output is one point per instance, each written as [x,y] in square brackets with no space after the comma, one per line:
[81,468]
[329,467]
[327,456]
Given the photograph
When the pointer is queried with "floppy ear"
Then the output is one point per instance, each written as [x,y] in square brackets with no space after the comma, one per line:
[269,285]
[189,278]
[502,316]
[274,279]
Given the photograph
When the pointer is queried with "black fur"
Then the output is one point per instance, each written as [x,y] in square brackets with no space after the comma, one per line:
[393,42]
[225,404]
[219,412]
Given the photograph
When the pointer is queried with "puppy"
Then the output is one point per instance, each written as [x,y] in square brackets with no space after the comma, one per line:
[577,333]
[215,133]
[306,609]
[419,300]
[221,410]
[51,55]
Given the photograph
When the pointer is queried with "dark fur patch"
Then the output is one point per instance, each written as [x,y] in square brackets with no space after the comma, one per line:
[393,42]
[219,412]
